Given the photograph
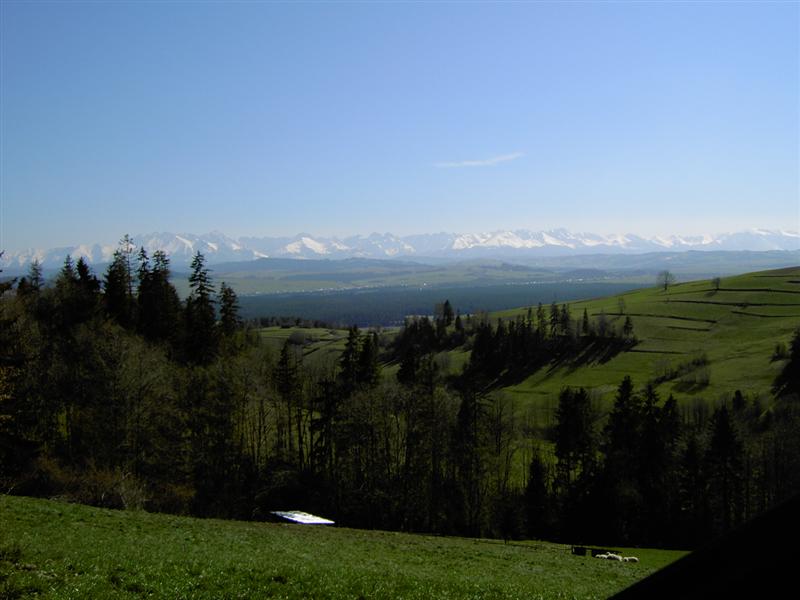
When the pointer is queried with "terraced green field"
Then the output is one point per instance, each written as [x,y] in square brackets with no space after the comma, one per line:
[51,549]
[736,327]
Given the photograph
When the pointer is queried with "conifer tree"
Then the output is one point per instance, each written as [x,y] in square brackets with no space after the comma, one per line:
[692,492]
[87,291]
[537,498]
[467,455]
[67,275]
[602,324]
[201,339]
[409,367]
[541,322]
[144,266]
[348,361]
[118,289]
[68,309]
[565,321]
[499,348]
[35,275]
[623,430]
[657,467]
[622,449]
[788,381]
[229,320]
[574,437]
[157,300]
[86,279]
[555,319]
[627,328]
[5,285]
[368,366]
[725,464]
[447,313]
[481,360]
[31,284]
[289,386]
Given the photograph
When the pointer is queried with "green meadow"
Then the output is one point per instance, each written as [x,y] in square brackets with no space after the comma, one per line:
[316,345]
[51,549]
[695,340]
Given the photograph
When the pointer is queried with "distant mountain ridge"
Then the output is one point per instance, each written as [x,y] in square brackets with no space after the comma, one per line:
[219,248]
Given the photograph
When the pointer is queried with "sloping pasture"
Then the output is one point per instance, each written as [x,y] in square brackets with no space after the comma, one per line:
[735,327]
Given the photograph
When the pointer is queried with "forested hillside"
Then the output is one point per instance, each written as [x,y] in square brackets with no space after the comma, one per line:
[114,392]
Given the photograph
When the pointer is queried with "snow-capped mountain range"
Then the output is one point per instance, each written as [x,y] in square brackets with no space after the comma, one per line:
[219,248]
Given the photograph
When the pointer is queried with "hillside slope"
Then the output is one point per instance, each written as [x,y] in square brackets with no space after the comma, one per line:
[694,341]
[733,329]
[56,550]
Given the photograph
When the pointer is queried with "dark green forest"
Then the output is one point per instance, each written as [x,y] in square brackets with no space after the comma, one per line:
[116,393]
[389,305]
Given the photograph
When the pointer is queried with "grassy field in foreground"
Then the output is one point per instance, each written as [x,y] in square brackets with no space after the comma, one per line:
[51,549]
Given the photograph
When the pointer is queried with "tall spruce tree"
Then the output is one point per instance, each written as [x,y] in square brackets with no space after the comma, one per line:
[623,430]
[348,361]
[68,308]
[725,467]
[87,290]
[787,383]
[118,285]
[622,449]
[555,319]
[201,335]
[541,322]
[368,365]
[447,313]
[30,285]
[537,499]
[157,301]
[565,321]
[693,492]
[585,327]
[287,380]
[627,328]
[229,320]
[575,443]
[657,468]
[468,457]
[86,279]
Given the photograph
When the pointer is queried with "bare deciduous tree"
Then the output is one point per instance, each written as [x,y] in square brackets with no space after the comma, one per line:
[665,279]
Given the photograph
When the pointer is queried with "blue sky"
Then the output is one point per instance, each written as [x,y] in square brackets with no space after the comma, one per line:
[340,118]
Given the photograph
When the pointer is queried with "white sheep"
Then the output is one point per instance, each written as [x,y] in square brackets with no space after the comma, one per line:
[612,556]
[630,559]
[601,555]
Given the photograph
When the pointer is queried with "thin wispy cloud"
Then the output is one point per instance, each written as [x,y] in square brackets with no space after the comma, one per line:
[487,162]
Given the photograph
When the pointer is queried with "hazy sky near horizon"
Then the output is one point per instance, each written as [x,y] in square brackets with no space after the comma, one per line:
[342,118]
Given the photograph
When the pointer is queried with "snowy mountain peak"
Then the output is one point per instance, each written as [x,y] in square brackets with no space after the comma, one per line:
[306,244]
[218,248]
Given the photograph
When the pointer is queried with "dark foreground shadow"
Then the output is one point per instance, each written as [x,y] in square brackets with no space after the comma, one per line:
[758,560]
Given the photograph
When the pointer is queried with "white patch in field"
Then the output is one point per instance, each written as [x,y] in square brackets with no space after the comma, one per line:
[303,518]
